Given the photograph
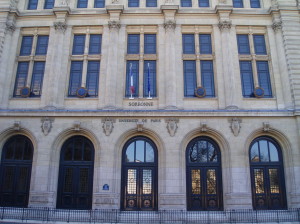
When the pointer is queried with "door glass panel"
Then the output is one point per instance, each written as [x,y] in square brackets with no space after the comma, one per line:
[212,153]
[130,153]
[27,152]
[8,178]
[274,181]
[131,181]
[68,180]
[83,180]
[19,151]
[68,154]
[202,151]
[22,182]
[273,153]
[87,156]
[149,153]
[254,153]
[211,181]
[9,152]
[193,153]
[77,151]
[264,155]
[147,181]
[140,151]
[259,181]
[196,182]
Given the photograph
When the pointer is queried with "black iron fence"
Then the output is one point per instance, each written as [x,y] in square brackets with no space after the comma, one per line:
[154,217]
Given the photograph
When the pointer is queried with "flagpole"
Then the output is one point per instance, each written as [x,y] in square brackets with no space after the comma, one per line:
[149,89]
[131,82]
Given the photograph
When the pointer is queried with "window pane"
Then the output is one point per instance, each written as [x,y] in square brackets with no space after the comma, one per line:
[21,77]
[188,42]
[149,153]
[189,68]
[133,44]
[264,152]
[49,4]
[150,43]
[68,180]
[274,181]
[87,153]
[186,3]
[255,3]
[92,78]
[42,45]
[68,153]
[130,153]
[99,4]
[9,152]
[259,44]
[82,3]
[26,45]
[75,77]
[193,153]
[202,151]
[133,3]
[95,44]
[150,78]
[37,78]
[254,153]
[8,177]
[211,181]
[78,44]
[264,77]
[139,151]
[238,4]
[247,78]
[78,149]
[207,77]
[259,181]
[243,44]
[205,44]
[273,153]
[212,153]
[19,148]
[132,78]
[32,4]
[151,3]
[196,182]
[22,180]
[131,181]
[83,180]
[147,181]
[203,3]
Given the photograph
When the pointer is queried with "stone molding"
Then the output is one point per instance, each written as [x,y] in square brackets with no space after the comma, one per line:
[170,25]
[224,25]
[60,26]
[108,125]
[277,25]
[114,25]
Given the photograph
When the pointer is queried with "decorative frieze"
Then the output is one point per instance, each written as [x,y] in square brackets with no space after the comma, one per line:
[224,25]
[235,125]
[60,26]
[108,125]
[170,25]
[172,125]
[277,25]
[46,125]
[114,25]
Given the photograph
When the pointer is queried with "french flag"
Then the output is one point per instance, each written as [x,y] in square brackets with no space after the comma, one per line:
[131,81]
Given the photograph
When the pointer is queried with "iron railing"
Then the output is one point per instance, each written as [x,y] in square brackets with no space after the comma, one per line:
[154,217]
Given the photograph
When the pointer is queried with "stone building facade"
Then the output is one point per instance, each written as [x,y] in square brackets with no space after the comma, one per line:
[234,143]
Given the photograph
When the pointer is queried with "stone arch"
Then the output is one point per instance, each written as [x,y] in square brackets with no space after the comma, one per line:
[56,147]
[224,148]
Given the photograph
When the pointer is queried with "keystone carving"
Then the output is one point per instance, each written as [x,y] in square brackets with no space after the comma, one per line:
[17,125]
[113,24]
[64,3]
[108,125]
[46,125]
[77,126]
[203,127]
[224,25]
[172,126]
[235,126]
[115,1]
[222,2]
[14,3]
[140,125]
[266,126]
[170,25]
[277,26]
[169,2]
[60,26]
[274,3]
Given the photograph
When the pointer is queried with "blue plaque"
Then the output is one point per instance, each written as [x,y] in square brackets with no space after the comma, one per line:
[105,187]
[25,92]
[200,91]
[259,92]
[81,92]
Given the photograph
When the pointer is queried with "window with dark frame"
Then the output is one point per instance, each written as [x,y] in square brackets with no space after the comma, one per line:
[203,3]
[32,4]
[238,3]
[186,3]
[151,3]
[49,4]
[133,3]
[82,3]
[255,3]
[99,4]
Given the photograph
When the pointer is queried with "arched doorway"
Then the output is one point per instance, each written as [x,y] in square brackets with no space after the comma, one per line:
[267,174]
[75,181]
[139,175]
[15,171]
[204,175]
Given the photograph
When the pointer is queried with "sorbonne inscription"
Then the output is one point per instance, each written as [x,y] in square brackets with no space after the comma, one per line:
[128,120]
[141,104]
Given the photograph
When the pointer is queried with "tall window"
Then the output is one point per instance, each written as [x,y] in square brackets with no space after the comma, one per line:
[99,3]
[133,3]
[82,3]
[32,4]
[15,171]
[238,3]
[267,174]
[203,3]
[49,4]
[194,77]
[151,3]
[141,74]
[254,70]
[186,3]
[255,3]
[31,66]
[85,64]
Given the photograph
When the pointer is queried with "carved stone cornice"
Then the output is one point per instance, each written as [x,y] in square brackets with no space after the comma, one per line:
[277,25]
[113,24]
[170,25]
[224,25]
[60,26]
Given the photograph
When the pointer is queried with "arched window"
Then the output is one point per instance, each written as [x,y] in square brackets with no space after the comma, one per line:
[267,175]
[15,171]
[139,175]
[204,175]
[75,183]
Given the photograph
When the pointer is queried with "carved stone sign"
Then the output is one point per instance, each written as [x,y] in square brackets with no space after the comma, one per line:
[235,125]
[46,125]
[108,125]
[172,125]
